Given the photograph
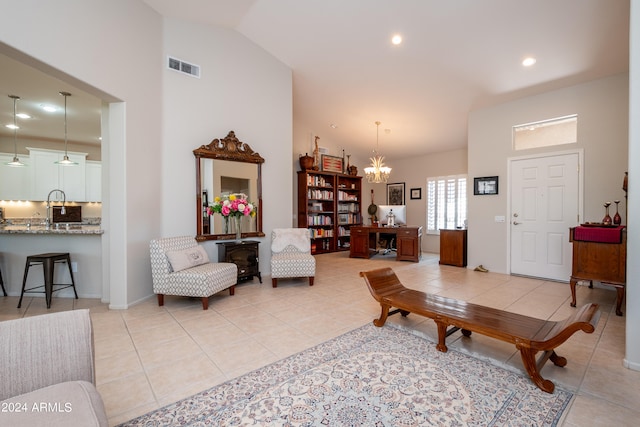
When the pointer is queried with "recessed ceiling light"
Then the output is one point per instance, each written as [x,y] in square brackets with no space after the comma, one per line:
[528,62]
[396,39]
[333,126]
[12,126]
[23,116]
[49,108]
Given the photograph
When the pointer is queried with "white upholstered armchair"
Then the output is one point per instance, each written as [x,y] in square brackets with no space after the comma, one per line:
[291,255]
[179,266]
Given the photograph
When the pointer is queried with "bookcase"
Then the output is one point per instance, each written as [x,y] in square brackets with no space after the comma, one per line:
[329,204]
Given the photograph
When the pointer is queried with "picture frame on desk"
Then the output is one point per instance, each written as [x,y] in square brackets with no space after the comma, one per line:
[487,185]
[395,194]
[331,163]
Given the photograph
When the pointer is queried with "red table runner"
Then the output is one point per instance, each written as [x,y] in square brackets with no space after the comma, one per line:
[599,234]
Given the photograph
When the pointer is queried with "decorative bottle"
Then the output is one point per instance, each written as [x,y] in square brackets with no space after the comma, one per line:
[607,218]
[617,219]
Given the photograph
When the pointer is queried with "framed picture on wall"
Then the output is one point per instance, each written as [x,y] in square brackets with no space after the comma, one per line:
[416,193]
[331,163]
[485,185]
[395,194]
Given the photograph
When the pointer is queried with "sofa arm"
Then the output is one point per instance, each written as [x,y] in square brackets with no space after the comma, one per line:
[44,350]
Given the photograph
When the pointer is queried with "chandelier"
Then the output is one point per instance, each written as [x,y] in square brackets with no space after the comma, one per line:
[377,172]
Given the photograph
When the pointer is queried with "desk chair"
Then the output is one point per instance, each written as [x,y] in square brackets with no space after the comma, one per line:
[389,243]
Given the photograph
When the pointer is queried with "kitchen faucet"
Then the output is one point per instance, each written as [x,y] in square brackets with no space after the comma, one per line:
[47,220]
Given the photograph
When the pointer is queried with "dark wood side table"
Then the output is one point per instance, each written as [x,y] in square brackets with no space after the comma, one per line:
[604,262]
[245,254]
[453,247]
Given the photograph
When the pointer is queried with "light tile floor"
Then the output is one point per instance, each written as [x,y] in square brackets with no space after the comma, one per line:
[150,356]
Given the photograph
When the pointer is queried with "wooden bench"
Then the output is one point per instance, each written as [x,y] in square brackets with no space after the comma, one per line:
[530,335]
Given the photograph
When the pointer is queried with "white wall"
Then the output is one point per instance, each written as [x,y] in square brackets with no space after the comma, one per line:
[602,108]
[241,88]
[632,356]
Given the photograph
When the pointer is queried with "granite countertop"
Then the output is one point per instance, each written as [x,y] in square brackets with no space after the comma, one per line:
[75,229]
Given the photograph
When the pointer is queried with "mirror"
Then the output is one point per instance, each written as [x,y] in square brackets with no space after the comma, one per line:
[227,166]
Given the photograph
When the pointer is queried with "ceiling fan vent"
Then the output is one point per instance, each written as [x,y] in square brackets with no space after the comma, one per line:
[183,67]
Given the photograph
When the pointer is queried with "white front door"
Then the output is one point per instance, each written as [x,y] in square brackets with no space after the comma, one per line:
[544,205]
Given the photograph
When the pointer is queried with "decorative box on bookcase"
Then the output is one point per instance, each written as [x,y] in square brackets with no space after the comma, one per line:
[329,204]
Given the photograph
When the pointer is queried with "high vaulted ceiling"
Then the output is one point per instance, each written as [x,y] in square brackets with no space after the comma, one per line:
[456,56]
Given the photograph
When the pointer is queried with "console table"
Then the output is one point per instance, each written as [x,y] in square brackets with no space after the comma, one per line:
[599,255]
[408,242]
[244,254]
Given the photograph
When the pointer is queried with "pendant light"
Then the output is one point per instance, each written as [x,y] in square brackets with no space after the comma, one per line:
[377,172]
[16,163]
[65,160]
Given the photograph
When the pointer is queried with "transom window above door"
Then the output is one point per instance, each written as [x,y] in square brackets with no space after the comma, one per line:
[545,133]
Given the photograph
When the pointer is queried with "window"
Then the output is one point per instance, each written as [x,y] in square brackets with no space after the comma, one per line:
[562,130]
[446,202]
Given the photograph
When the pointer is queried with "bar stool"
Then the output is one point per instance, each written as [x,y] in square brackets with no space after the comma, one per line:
[2,284]
[48,262]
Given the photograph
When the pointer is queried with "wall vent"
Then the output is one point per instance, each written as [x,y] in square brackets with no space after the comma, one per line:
[183,67]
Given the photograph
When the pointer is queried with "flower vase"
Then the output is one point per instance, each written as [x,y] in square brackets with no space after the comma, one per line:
[238,220]
[225,224]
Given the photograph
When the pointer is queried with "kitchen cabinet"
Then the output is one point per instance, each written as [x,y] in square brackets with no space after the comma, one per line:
[46,175]
[15,182]
[93,181]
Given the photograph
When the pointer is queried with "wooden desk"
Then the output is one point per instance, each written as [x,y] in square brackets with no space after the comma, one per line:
[408,242]
[604,262]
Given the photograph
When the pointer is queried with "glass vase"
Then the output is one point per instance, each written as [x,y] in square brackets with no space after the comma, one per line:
[238,220]
[225,224]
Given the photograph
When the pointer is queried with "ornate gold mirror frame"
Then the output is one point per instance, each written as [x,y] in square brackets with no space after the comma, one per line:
[225,149]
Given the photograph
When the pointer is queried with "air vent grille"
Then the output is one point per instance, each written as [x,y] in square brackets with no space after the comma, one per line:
[183,67]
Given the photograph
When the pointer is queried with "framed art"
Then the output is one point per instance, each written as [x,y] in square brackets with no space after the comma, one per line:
[416,193]
[395,194]
[331,163]
[485,185]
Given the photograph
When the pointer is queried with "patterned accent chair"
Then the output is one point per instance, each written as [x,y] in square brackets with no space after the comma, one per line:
[291,255]
[200,281]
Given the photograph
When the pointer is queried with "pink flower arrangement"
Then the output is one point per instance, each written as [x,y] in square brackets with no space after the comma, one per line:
[232,205]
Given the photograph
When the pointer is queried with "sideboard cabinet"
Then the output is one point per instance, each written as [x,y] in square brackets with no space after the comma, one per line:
[453,247]
[329,204]
[604,262]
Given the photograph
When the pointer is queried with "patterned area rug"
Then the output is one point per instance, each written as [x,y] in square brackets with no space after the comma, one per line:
[370,377]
